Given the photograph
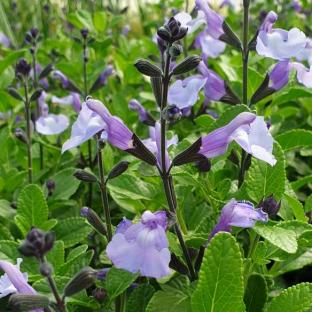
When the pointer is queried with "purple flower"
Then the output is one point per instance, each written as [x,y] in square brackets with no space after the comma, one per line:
[209,46]
[215,86]
[248,130]
[4,40]
[306,53]
[142,247]
[60,76]
[14,281]
[214,20]
[153,143]
[43,82]
[144,115]
[240,214]
[50,124]
[184,93]
[277,43]
[117,133]
[296,5]
[279,75]
[102,78]
[73,99]
[304,74]
[191,24]
[125,30]
[87,125]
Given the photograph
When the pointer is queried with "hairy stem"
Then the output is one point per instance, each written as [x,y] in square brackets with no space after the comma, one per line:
[28,132]
[166,178]
[104,196]
[59,302]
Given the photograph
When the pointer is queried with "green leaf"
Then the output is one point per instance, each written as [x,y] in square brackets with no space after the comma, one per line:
[263,180]
[65,184]
[81,19]
[139,298]
[6,211]
[117,281]
[220,287]
[293,299]
[284,239]
[100,21]
[295,205]
[175,296]
[256,293]
[301,182]
[56,255]
[72,230]
[74,253]
[32,210]
[291,93]
[204,121]
[294,139]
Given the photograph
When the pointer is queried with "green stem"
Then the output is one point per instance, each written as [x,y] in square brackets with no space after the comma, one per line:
[104,196]
[166,178]
[59,302]
[28,132]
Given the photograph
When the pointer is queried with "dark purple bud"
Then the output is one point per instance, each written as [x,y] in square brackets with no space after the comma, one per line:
[172,113]
[203,165]
[84,211]
[28,302]
[22,67]
[99,294]
[50,184]
[173,26]
[270,205]
[93,219]
[45,269]
[84,33]
[34,32]
[37,243]
[85,176]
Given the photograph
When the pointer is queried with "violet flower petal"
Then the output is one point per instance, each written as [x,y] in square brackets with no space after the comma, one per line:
[52,124]
[279,76]
[304,75]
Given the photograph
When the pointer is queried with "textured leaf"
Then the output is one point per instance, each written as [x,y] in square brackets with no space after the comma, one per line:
[117,281]
[256,293]
[284,239]
[56,255]
[32,210]
[295,206]
[301,182]
[139,298]
[291,93]
[294,299]
[263,180]
[72,230]
[293,139]
[175,296]
[220,286]
[6,211]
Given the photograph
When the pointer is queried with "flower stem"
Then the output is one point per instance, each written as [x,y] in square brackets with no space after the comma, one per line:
[85,87]
[245,58]
[34,61]
[104,196]
[166,178]
[28,131]
[59,302]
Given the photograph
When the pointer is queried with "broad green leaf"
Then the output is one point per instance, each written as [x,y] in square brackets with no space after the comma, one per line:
[297,298]
[262,180]
[204,121]
[10,59]
[74,253]
[220,286]
[72,230]
[56,255]
[100,21]
[291,93]
[32,210]
[284,239]
[301,182]
[117,281]
[175,296]
[65,184]
[139,298]
[81,19]
[293,139]
[256,293]
[295,206]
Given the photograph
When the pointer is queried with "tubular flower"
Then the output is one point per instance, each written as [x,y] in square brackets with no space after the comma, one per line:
[142,247]
[240,214]
[277,43]
[14,281]
[144,115]
[73,99]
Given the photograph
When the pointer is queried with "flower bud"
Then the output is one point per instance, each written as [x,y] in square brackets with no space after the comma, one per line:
[147,68]
[188,64]
[230,37]
[164,33]
[270,205]
[203,165]
[22,68]
[84,33]
[119,169]
[14,93]
[172,31]
[85,176]
[21,135]
[175,50]
[172,113]
[19,302]
[37,243]
[50,184]
[93,219]
[99,294]
[45,269]
[82,280]
[157,89]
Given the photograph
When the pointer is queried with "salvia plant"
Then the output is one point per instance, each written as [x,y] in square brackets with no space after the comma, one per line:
[156,157]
